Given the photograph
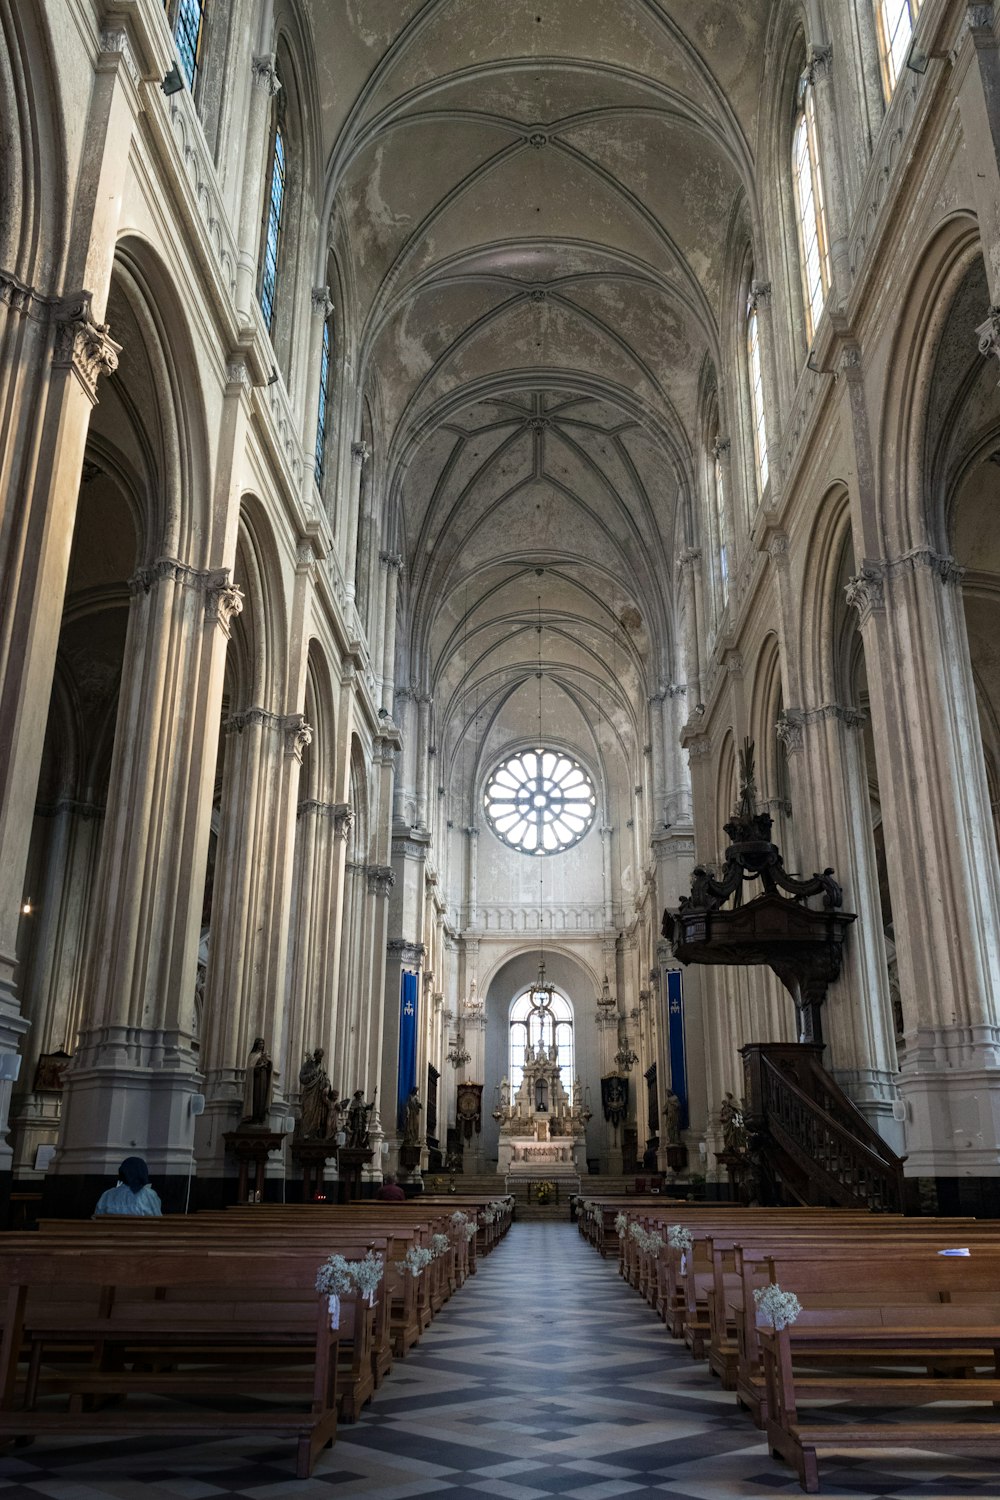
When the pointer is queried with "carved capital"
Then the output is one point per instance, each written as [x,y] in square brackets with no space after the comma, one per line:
[392,560]
[250,718]
[381,879]
[169,570]
[410,955]
[83,346]
[721,448]
[777,545]
[688,557]
[988,333]
[865,591]
[115,42]
[238,375]
[760,294]
[223,601]
[979,18]
[360,453]
[265,75]
[298,734]
[700,745]
[322,305]
[789,729]
[343,819]
[17,296]
[819,61]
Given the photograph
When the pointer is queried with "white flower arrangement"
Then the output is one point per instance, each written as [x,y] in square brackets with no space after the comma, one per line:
[335,1275]
[459,1219]
[470,1232]
[621,1224]
[679,1238]
[487,1216]
[775,1308]
[417,1258]
[440,1244]
[640,1236]
[339,1277]
[654,1243]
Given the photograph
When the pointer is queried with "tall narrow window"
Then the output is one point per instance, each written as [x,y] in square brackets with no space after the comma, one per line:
[896,20]
[756,382]
[324,401]
[272,226]
[189,26]
[719,448]
[813,250]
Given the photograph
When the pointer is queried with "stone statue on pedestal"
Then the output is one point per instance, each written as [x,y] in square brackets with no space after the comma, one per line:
[319,1110]
[358,1113]
[257,1085]
[411,1119]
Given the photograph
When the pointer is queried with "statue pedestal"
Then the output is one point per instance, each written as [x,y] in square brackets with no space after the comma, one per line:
[350,1161]
[677,1157]
[251,1147]
[312,1157]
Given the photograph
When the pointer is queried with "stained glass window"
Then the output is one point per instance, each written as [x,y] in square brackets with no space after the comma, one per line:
[540,802]
[324,401]
[541,1016]
[756,393]
[896,20]
[809,204]
[720,523]
[189,23]
[272,235]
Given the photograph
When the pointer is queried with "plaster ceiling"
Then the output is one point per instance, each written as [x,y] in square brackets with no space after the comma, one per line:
[536,199]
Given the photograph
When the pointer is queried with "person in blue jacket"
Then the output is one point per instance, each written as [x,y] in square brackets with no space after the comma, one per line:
[132,1194]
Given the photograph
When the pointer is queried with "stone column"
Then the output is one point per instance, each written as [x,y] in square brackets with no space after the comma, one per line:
[135,1069]
[976,82]
[360,454]
[941,858]
[424,701]
[265,87]
[246,983]
[821,75]
[320,938]
[833,807]
[393,564]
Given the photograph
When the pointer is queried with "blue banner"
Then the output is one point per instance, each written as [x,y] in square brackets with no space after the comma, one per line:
[407,1079]
[675,1040]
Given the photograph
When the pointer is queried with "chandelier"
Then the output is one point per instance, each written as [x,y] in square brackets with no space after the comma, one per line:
[625,1058]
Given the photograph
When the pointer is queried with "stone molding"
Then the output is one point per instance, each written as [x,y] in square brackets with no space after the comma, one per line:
[115,41]
[721,448]
[819,60]
[20,297]
[360,453]
[392,560]
[988,333]
[865,592]
[699,745]
[760,294]
[83,346]
[85,810]
[341,813]
[298,733]
[223,601]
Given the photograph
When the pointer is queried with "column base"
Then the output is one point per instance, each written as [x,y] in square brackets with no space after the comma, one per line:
[128,1092]
[950,1086]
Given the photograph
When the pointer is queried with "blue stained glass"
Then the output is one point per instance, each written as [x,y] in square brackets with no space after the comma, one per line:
[187,37]
[276,199]
[324,395]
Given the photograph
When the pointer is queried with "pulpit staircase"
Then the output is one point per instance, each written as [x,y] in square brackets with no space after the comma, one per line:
[809,1143]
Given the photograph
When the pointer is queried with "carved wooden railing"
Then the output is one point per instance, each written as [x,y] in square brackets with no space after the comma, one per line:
[812,1136]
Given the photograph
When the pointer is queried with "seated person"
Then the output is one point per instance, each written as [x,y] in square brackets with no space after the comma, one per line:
[390,1191]
[132,1193]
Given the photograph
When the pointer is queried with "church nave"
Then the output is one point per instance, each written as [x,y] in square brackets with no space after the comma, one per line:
[546,1376]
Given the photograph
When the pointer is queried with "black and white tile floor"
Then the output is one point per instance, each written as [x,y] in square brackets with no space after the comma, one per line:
[544,1376]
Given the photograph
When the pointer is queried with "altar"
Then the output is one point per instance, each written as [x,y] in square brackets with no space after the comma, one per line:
[542,1131]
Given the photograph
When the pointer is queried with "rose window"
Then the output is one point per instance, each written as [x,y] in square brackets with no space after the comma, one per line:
[540,801]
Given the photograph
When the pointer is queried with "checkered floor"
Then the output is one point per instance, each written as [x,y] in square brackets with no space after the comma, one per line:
[544,1376]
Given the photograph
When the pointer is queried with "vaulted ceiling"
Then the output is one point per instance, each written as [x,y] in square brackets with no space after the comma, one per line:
[537,197]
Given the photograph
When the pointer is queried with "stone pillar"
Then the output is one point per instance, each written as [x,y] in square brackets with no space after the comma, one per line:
[393,563]
[424,701]
[821,75]
[265,87]
[941,858]
[131,1081]
[688,567]
[319,939]
[360,454]
[976,81]
[246,983]
[832,803]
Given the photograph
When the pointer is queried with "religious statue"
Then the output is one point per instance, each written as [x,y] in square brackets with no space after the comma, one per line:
[734,1136]
[358,1113]
[411,1119]
[672,1119]
[318,1100]
[257,1085]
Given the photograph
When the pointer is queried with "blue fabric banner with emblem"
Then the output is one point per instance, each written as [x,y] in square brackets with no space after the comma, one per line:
[408,1003]
[675,1040]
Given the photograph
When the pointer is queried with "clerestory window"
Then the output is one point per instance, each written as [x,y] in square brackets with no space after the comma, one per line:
[810,212]
[324,400]
[896,20]
[755,380]
[540,801]
[273,214]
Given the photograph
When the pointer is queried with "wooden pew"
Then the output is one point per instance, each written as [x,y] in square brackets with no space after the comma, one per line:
[911,1341]
[223,1326]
